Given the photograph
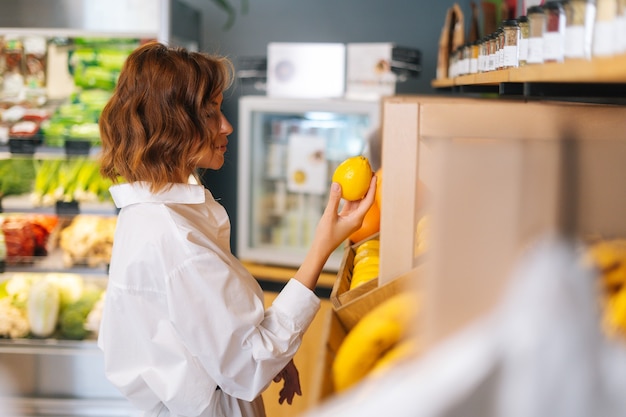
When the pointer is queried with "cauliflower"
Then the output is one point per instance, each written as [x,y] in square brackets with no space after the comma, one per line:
[13,321]
[95,315]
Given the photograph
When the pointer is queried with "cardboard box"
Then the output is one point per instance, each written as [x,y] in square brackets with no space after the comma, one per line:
[306,70]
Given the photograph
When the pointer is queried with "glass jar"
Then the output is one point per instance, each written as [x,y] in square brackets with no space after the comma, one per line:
[499,48]
[482,54]
[491,61]
[467,57]
[475,47]
[536,19]
[510,50]
[554,32]
[522,45]
[604,43]
[579,20]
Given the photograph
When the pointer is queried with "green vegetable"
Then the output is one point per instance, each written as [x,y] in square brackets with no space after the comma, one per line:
[16,176]
[74,315]
[43,308]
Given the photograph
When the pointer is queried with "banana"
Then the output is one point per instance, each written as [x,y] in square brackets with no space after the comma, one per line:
[375,333]
[399,352]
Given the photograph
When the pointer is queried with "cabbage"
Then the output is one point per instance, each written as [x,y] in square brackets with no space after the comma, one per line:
[43,308]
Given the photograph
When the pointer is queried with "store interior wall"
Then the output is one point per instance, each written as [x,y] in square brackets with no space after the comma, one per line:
[414,24]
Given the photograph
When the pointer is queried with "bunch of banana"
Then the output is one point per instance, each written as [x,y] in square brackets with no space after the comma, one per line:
[379,339]
[366,263]
[609,256]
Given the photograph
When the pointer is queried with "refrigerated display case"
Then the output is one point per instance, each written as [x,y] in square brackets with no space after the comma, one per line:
[55,375]
[288,151]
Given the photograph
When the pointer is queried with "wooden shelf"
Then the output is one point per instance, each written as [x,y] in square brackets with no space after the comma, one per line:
[597,70]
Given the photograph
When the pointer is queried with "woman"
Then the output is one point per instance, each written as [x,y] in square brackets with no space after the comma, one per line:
[184,330]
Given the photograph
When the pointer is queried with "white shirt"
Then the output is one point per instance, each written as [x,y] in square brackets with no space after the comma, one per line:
[183,315]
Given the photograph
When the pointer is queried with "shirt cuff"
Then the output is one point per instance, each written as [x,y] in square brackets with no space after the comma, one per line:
[298,302]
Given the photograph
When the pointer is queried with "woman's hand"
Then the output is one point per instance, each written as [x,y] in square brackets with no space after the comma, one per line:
[291,385]
[334,227]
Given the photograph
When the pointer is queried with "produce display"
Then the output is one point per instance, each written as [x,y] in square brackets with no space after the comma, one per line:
[609,256]
[381,338]
[366,263]
[50,305]
[16,176]
[75,179]
[88,240]
[25,236]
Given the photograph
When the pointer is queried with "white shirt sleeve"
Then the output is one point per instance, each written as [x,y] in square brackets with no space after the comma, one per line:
[221,319]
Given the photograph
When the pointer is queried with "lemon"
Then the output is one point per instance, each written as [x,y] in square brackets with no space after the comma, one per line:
[363,253]
[363,275]
[368,260]
[354,175]
[369,244]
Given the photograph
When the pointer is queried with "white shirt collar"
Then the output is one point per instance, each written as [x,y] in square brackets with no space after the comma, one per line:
[139,192]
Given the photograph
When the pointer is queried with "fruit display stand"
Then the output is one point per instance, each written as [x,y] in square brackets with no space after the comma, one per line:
[502,174]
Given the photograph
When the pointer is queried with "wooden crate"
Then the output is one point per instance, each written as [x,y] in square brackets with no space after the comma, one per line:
[333,335]
[340,321]
[350,305]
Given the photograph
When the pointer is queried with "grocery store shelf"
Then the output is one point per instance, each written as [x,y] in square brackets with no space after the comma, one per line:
[604,77]
[46,152]
[67,407]
[48,346]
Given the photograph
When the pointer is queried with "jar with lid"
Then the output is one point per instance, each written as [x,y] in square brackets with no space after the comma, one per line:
[467,57]
[579,20]
[604,40]
[554,32]
[474,47]
[536,19]
[499,48]
[510,50]
[522,44]
[491,51]
[482,54]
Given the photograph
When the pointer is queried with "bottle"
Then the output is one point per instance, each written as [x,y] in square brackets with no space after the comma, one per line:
[536,19]
[604,33]
[510,51]
[579,21]
[554,32]
[522,46]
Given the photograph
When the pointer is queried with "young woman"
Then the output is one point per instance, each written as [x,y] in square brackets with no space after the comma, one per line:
[184,330]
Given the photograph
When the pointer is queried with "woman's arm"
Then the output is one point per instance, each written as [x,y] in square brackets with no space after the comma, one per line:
[333,228]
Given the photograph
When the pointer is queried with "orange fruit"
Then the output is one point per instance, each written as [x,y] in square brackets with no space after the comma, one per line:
[379,187]
[370,225]
[354,175]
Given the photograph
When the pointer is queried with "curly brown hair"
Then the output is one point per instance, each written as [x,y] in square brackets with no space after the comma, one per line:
[162,117]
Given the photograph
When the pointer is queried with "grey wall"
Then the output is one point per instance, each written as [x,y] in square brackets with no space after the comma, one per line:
[410,23]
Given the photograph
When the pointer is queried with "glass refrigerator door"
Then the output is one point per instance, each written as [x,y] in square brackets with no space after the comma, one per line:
[288,152]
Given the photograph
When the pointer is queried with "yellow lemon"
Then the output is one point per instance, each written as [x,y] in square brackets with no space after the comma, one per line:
[368,260]
[363,275]
[369,244]
[354,175]
[360,254]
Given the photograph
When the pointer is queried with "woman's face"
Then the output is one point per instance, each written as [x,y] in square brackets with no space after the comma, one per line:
[215,159]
